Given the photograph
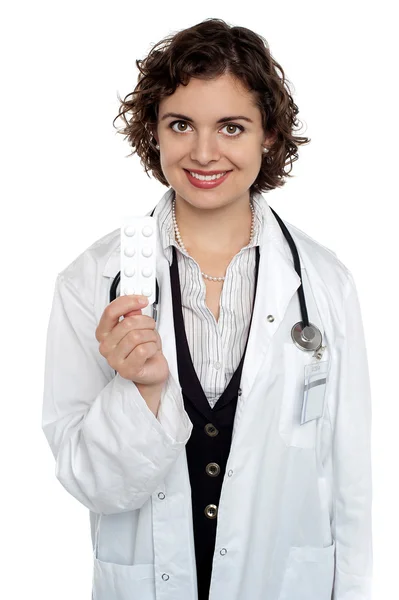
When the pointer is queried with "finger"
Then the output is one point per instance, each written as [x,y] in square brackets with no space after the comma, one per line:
[116,309]
[136,322]
[133,312]
[134,344]
[135,361]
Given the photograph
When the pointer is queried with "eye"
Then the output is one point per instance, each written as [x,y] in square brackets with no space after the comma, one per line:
[236,126]
[227,125]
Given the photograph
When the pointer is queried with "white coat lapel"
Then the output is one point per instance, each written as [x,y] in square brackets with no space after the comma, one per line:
[277,283]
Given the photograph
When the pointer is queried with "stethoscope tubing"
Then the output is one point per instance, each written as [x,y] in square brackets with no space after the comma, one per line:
[297,265]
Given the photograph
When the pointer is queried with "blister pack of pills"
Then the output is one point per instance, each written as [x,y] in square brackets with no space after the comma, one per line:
[138,257]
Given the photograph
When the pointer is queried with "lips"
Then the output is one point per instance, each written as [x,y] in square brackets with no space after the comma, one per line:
[208,172]
[206,185]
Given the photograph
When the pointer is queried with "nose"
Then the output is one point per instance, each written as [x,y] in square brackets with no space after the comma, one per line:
[205,149]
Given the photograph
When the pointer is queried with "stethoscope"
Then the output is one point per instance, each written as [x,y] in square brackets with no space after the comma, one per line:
[305,335]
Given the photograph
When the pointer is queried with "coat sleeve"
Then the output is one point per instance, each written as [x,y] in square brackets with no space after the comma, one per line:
[111,452]
[351,454]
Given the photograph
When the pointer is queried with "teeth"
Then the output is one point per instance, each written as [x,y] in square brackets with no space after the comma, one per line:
[207,177]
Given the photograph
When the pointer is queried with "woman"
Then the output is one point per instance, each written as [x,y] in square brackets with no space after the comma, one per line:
[207,469]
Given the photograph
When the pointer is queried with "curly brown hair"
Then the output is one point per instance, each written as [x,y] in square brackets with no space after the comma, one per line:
[205,51]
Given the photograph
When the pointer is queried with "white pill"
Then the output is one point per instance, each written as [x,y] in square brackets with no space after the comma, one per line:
[129,271]
[147,231]
[129,230]
[146,251]
[130,251]
[147,272]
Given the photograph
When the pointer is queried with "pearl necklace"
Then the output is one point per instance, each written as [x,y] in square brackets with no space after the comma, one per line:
[180,241]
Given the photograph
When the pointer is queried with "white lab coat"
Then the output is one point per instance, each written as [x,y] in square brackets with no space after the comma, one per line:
[294,518]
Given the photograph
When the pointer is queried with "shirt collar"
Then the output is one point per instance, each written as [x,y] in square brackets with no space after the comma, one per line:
[167,234]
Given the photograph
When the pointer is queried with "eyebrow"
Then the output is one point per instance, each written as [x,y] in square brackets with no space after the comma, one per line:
[222,120]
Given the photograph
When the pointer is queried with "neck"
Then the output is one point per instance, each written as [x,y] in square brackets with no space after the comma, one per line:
[218,231]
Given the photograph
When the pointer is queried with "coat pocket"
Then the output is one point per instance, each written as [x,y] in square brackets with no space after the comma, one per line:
[123,582]
[291,430]
[309,573]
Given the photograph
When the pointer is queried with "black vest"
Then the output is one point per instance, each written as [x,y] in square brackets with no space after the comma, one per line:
[208,448]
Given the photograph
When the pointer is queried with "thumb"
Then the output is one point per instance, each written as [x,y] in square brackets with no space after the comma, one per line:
[133,312]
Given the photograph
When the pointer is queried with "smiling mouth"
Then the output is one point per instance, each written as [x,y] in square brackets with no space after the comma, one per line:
[207,183]
[206,174]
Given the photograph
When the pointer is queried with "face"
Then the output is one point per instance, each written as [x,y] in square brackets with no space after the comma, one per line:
[199,142]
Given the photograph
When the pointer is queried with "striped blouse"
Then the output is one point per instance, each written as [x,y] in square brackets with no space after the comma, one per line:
[216,347]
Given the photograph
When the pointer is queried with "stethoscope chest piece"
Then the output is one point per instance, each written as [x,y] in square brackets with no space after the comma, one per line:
[306,338]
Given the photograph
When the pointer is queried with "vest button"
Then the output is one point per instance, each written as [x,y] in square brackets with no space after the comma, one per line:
[212,469]
[211,511]
[211,430]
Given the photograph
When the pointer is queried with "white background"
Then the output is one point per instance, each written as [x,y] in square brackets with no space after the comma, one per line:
[66,181]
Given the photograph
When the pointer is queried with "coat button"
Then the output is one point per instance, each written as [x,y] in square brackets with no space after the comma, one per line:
[270,318]
[211,511]
[212,469]
[211,430]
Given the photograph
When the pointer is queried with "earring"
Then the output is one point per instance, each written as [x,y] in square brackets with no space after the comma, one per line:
[265,149]
[157,146]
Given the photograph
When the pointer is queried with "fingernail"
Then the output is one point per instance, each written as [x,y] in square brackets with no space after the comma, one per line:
[143,300]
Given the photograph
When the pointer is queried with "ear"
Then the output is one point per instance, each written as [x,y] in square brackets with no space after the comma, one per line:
[153,132]
[270,139]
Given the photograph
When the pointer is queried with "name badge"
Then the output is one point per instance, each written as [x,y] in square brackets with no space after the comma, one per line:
[315,376]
